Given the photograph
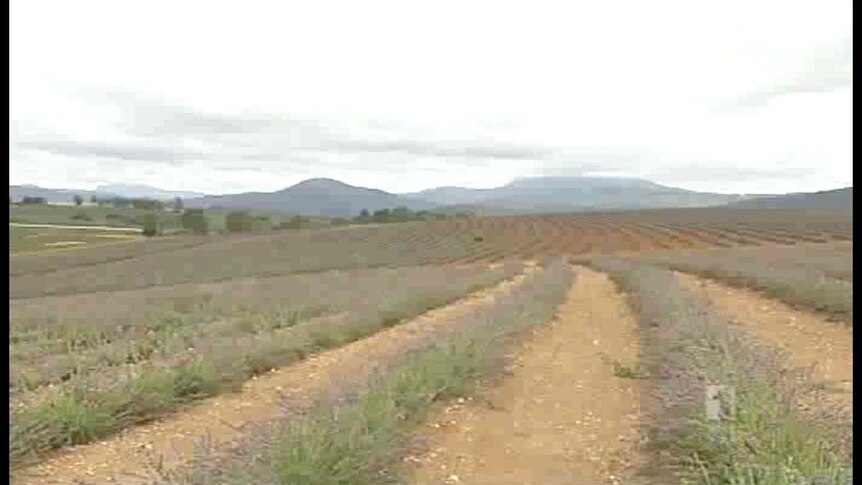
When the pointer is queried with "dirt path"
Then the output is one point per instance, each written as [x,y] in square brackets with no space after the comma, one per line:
[808,338]
[562,417]
[128,458]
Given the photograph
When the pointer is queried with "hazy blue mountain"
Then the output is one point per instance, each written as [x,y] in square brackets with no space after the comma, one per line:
[559,194]
[18,192]
[838,199]
[315,197]
[134,191]
[451,195]
[327,197]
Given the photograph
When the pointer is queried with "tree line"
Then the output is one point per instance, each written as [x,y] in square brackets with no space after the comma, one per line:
[119,202]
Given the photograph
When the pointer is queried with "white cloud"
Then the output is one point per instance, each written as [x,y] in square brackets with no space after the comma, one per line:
[255,96]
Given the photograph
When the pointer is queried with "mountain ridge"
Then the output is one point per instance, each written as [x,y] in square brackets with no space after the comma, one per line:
[835,199]
[333,198]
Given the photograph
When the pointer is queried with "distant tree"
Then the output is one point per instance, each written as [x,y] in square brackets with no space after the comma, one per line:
[148,204]
[178,204]
[195,221]
[94,199]
[401,214]
[33,200]
[239,221]
[382,215]
[78,199]
[363,214]
[298,222]
[119,202]
[151,224]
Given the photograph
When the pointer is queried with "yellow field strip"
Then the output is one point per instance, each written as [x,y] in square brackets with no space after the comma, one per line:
[60,226]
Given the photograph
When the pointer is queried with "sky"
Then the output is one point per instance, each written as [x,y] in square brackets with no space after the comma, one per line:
[734,96]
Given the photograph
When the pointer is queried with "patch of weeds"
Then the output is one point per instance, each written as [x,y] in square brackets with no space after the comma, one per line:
[149,396]
[628,371]
[323,339]
[67,420]
[390,318]
[195,380]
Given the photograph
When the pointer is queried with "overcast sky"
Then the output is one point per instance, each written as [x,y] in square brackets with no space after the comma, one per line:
[727,96]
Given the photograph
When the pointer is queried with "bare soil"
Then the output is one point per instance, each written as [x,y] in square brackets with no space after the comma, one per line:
[562,415]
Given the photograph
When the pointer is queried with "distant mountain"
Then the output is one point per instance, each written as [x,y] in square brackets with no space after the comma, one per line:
[562,194]
[451,195]
[838,199]
[54,196]
[17,192]
[327,197]
[144,192]
[314,197]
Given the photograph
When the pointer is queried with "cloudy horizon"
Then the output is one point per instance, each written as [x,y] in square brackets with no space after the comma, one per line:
[730,97]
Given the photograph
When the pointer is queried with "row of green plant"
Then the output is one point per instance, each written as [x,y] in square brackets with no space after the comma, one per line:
[357,437]
[92,406]
[764,438]
[57,325]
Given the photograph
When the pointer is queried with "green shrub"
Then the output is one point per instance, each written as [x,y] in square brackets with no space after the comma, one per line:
[239,221]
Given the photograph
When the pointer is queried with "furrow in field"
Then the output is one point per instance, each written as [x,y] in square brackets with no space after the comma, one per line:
[562,415]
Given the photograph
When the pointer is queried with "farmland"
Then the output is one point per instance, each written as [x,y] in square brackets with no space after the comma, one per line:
[94,215]
[112,344]
[28,239]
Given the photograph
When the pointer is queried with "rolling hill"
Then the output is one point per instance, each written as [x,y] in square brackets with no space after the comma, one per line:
[562,194]
[145,192]
[332,198]
[54,196]
[838,199]
[314,197]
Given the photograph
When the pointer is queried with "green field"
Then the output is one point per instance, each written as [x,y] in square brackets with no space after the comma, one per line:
[23,240]
[93,215]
